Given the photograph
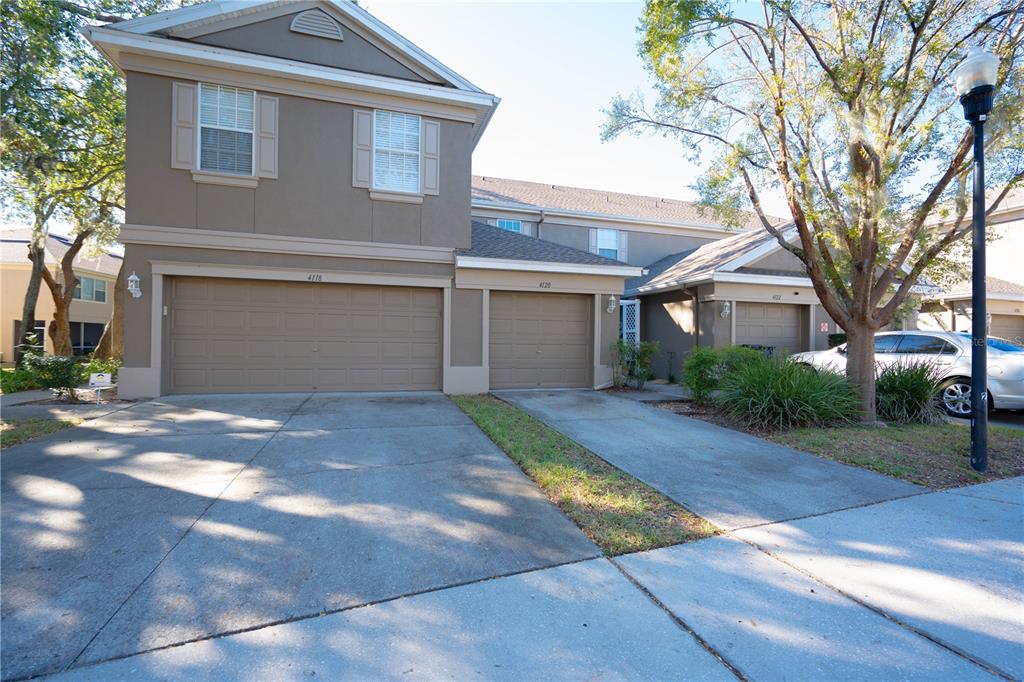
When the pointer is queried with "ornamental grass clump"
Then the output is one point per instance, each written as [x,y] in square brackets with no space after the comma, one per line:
[905,393]
[778,394]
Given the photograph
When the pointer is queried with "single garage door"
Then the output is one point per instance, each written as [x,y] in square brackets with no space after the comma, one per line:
[231,335]
[1010,327]
[770,324]
[540,340]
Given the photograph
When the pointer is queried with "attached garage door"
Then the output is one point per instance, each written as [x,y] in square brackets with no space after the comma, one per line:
[540,340]
[769,324]
[1009,327]
[230,335]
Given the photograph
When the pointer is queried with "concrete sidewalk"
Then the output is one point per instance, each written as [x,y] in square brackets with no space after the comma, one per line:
[730,478]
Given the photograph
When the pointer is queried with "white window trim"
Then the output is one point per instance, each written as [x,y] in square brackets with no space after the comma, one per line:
[498,221]
[620,238]
[199,174]
[388,193]
[106,289]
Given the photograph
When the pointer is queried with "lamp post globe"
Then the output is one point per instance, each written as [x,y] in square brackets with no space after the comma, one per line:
[975,83]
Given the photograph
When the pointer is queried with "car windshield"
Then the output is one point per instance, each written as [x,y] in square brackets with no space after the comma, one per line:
[1001,344]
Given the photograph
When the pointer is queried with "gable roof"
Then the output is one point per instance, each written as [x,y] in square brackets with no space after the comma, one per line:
[160,35]
[208,17]
[505,192]
[995,288]
[729,254]
[14,243]
[493,243]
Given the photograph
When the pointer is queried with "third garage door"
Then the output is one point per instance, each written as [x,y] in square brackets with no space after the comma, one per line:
[1010,327]
[540,340]
[234,335]
[769,324]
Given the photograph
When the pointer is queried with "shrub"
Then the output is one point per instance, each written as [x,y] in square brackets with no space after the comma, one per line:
[905,393]
[96,365]
[701,372]
[16,379]
[778,394]
[734,357]
[60,373]
[632,363]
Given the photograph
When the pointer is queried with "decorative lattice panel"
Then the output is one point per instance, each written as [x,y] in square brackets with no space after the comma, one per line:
[630,322]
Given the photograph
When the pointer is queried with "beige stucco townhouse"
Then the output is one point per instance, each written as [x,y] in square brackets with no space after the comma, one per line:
[299,217]
[90,309]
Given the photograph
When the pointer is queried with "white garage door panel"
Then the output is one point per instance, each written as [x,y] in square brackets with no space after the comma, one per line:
[769,324]
[540,340]
[251,335]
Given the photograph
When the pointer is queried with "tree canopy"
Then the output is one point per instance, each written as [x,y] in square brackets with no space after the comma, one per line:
[847,109]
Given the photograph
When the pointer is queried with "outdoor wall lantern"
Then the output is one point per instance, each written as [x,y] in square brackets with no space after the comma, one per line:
[726,309]
[975,83]
[611,304]
[133,286]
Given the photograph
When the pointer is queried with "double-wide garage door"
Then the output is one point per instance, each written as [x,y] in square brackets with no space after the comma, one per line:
[540,340]
[230,335]
[769,324]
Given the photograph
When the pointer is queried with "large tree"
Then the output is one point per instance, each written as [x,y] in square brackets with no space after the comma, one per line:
[62,126]
[846,109]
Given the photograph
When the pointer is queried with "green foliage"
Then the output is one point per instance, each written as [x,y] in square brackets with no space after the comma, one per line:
[61,373]
[778,394]
[97,365]
[701,373]
[14,379]
[733,358]
[632,364]
[906,393]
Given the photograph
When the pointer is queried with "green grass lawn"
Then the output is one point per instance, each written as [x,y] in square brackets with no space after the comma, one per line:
[936,456]
[616,511]
[20,430]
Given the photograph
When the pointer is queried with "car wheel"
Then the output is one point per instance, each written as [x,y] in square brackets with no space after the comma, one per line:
[955,397]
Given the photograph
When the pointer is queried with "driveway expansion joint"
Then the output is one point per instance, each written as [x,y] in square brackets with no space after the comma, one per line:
[680,623]
[305,616]
[957,651]
[181,538]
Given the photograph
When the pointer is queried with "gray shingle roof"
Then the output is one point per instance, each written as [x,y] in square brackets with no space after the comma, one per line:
[14,245]
[493,242]
[700,262]
[537,195]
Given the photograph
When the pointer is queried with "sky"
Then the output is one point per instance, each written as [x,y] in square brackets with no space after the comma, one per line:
[555,66]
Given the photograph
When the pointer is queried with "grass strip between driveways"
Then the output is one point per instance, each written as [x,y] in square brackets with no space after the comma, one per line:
[616,511]
[18,431]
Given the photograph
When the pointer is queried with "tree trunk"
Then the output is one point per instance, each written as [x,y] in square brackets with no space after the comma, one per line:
[62,291]
[60,331]
[860,367]
[37,255]
[111,344]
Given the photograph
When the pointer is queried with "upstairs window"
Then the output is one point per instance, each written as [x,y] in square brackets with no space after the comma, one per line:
[91,289]
[226,127]
[396,152]
[608,243]
[510,225]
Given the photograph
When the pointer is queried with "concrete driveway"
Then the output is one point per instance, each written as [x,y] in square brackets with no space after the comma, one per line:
[188,517]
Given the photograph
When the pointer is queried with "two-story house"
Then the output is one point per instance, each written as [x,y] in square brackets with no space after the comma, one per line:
[299,217]
[91,307]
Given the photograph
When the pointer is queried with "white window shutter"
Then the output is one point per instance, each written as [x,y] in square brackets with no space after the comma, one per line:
[362,148]
[183,126]
[593,240]
[623,242]
[431,174]
[266,108]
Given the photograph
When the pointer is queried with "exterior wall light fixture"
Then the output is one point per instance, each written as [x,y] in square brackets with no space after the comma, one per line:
[133,286]
[612,302]
[726,309]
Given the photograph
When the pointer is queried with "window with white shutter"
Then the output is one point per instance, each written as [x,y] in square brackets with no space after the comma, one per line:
[396,151]
[608,243]
[226,129]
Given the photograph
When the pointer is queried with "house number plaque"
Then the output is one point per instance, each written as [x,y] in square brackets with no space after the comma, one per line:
[314,277]
[545,285]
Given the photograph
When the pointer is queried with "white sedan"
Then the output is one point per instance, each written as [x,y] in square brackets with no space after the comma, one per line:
[950,354]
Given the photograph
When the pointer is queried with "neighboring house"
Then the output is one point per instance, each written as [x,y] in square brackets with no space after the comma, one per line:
[951,311]
[634,229]
[299,217]
[744,289]
[89,311]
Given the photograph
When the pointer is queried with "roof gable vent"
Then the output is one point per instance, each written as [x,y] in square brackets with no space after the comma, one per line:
[317,23]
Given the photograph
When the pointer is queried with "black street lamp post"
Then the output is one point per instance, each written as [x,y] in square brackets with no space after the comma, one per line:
[975,83]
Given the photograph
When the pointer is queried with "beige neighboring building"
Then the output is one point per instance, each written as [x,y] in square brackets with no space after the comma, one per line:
[90,310]
[298,215]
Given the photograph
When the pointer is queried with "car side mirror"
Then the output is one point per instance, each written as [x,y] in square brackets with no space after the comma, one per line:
[841,349]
